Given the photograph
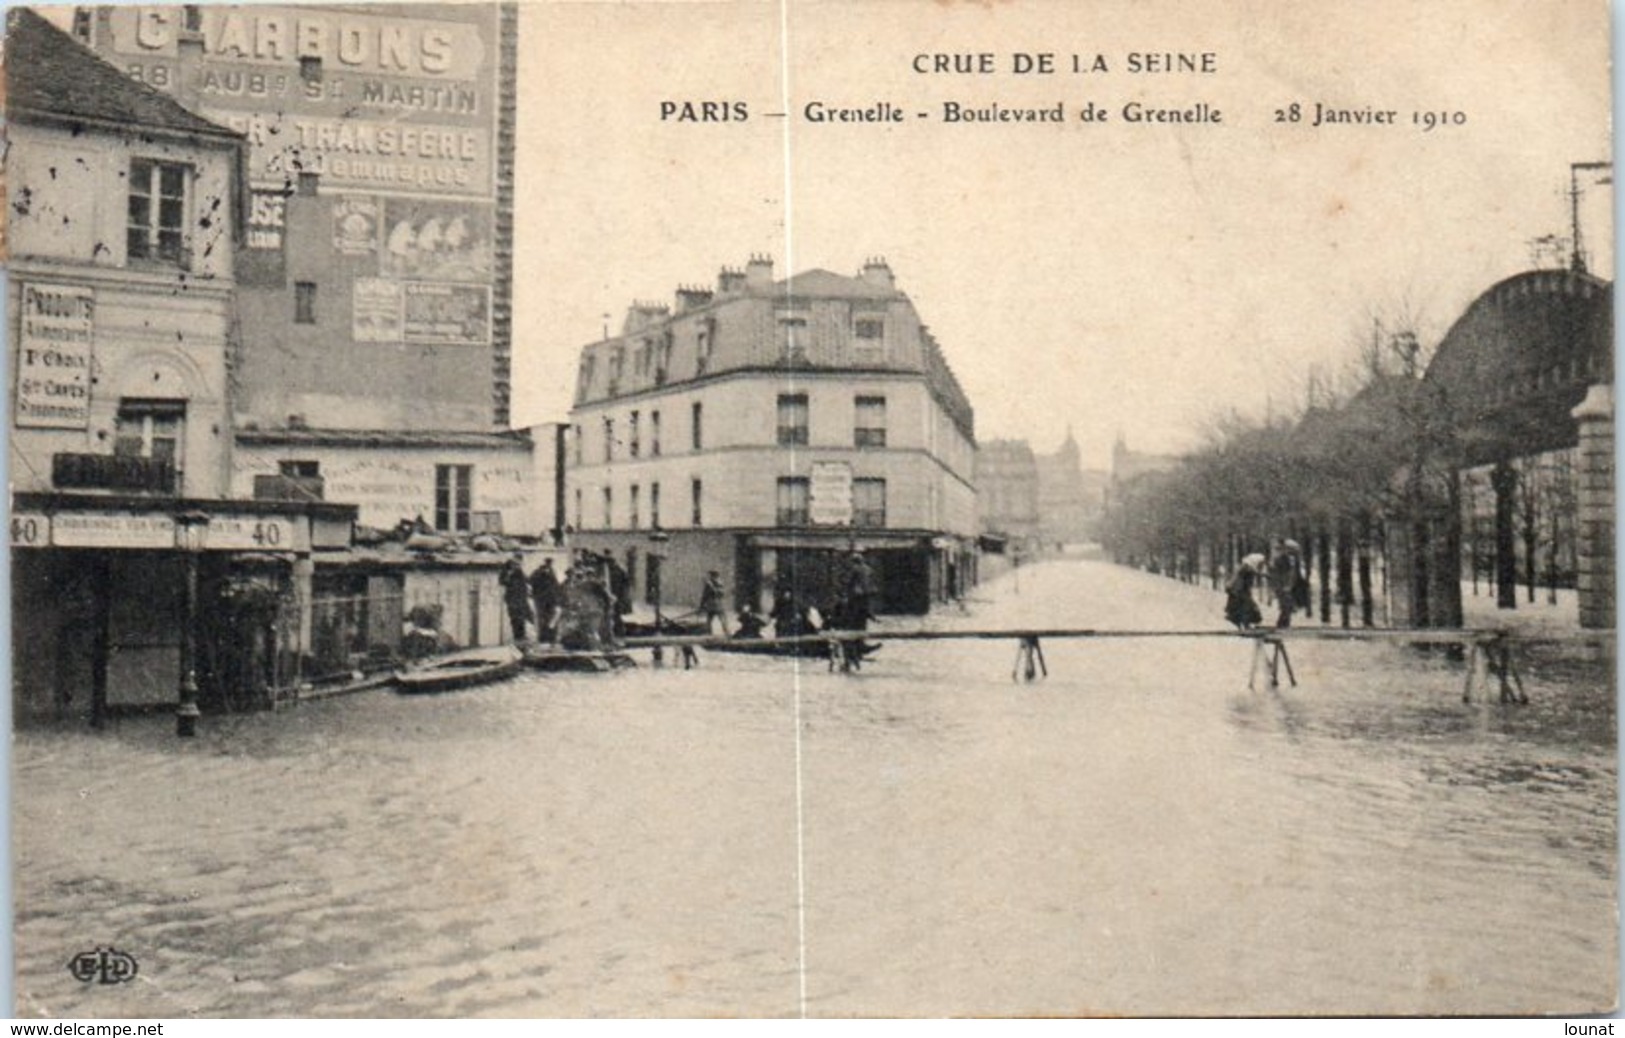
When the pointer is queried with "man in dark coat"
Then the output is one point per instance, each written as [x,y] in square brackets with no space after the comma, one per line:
[620,589]
[711,596]
[516,593]
[1286,570]
[544,593]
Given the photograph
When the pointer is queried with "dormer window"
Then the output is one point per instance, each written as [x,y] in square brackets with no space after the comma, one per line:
[793,335]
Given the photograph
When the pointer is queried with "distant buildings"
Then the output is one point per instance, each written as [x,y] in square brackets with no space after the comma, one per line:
[766,427]
[1038,502]
[1070,497]
[1130,464]
[1007,493]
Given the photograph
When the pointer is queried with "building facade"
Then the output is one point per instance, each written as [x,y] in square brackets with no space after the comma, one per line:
[124,220]
[1007,493]
[373,318]
[764,428]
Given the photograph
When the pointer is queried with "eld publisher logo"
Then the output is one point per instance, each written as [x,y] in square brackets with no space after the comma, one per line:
[103,966]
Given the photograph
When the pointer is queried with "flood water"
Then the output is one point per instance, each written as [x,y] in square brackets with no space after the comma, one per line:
[1139,834]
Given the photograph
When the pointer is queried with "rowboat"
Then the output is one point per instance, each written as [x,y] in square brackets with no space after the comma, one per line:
[547,658]
[459,670]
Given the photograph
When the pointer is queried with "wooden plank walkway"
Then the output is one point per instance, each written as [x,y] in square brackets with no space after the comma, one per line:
[1489,649]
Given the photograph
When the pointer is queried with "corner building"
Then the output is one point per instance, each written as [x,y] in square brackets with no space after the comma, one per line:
[768,427]
[137,579]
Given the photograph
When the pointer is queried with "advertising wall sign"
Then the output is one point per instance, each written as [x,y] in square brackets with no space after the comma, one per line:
[272,38]
[431,240]
[368,101]
[355,225]
[352,152]
[267,220]
[450,315]
[263,260]
[55,339]
[376,311]
[830,493]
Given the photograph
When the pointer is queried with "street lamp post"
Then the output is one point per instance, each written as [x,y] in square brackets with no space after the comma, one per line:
[655,578]
[191,531]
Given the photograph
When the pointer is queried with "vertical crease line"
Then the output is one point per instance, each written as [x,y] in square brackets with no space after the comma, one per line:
[789,266]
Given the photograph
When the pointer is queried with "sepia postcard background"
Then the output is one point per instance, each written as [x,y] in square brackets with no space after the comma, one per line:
[1133,837]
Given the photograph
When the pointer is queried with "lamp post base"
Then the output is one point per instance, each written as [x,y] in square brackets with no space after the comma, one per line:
[186,716]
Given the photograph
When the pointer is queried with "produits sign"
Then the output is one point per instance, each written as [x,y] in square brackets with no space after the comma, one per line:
[56,335]
[830,493]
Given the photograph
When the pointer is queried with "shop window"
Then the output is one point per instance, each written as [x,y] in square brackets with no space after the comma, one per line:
[157,211]
[793,420]
[869,427]
[868,502]
[453,497]
[795,495]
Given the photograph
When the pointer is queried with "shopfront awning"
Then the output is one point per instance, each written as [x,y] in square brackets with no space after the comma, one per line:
[839,540]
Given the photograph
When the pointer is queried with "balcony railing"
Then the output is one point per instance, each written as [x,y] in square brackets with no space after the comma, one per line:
[114,472]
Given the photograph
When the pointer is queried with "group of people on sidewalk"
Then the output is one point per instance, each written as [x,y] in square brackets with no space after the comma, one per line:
[585,609]
[849,606]
[1282,571]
